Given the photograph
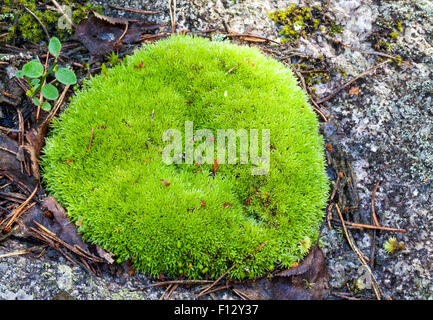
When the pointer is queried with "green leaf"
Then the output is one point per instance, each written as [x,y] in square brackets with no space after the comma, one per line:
[36,101]
[66,76]
[46,106]
[35,82]
[19,74]
[54,46]
[50,92]
[33,69]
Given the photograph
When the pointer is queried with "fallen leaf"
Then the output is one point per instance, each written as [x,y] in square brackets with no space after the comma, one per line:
[307,281]
[100,34]
[354,90]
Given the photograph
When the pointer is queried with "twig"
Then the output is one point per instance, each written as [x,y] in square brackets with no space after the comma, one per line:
[21,252]
[244,35]
[119,41]
[224,287]
[368,226]
[376,53]
[329,218]
[39,21]
[5,93]
[134,10]
[4,210]
[18,211]
[166,290]
[330,96]
[343,296]
[181,282]
[154,36]
[375,222]
[174,287]
[9,129]
[316,107]
[359,255]
[7,150]
[172,12]
[232,69]
[57,105]
[75,249]
[314,71]
[241,294]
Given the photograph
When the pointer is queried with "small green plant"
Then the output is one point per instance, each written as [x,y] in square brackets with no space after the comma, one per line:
[36,75]
[113,58]
[194,220]
[392,245]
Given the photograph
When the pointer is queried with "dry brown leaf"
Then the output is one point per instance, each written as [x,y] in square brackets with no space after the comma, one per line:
[354,91]
[307,281]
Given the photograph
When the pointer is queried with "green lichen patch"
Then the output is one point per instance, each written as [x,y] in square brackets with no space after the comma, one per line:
[296,22]
[103,162]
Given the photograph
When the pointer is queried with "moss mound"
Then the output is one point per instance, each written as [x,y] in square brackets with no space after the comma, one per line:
[190,219]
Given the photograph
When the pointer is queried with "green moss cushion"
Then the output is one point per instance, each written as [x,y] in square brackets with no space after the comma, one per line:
[184,219]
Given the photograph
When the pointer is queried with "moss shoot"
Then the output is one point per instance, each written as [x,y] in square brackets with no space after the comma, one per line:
[103,162]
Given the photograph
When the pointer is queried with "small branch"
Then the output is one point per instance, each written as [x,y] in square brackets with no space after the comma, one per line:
[232,69]
[373,211]
[21,252]
[20,210]
[119,41]
[134,10]
[39,21]
[316,107]
[332,95]
[242,35]
[359,255]
[172,12]
[181,282]
[5,93]
[7,150]
[375,222]
[90,142]
[368,226]
[9,129]
[376,53]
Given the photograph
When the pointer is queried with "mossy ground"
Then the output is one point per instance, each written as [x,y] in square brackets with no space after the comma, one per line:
[114,193]
[22,22]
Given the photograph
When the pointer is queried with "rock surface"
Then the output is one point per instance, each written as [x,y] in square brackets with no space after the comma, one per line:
[385,129]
